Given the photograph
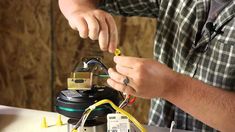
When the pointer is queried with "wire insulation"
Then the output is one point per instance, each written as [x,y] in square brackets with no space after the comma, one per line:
[131,118]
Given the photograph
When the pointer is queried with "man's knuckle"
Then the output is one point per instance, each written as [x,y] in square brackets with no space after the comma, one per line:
[83,30]
[94,29]
[103,47]
[99,14]
[98,11]
[109,16]
[119,78]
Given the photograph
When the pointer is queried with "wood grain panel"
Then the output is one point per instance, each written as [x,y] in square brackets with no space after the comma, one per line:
[25,53]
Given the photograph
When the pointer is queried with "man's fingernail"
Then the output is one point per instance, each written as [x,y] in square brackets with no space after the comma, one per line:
[111,51]
[110,70]
[103,48]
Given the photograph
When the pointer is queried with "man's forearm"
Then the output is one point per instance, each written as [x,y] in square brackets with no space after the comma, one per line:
[211,105]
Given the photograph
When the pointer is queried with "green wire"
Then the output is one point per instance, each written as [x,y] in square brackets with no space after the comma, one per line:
[103,75]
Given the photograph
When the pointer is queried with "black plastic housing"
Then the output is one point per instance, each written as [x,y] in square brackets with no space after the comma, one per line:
[72,104]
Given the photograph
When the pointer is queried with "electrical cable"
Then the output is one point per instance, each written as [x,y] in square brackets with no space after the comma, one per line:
[124,103]
[123,112]
[172,126]
[121,95]
[84,119]
[102,75]
[80,120]
[80,124]
[127,101]
[96,61]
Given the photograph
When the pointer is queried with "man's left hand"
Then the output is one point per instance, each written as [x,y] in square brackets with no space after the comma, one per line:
[147,77]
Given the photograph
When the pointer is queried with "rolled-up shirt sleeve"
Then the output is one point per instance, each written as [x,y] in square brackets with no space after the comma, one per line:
[145,8]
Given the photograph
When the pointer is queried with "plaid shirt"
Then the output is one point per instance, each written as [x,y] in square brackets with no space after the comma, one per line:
[178,45]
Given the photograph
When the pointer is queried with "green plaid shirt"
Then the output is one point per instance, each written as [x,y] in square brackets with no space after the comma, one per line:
[178,45]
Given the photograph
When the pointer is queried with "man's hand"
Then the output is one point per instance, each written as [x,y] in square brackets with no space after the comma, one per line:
[147,78]
[91,22]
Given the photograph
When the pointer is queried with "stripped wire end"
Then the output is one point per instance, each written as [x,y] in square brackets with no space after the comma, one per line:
[127,101]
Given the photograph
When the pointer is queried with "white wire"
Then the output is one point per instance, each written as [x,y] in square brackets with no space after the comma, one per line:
[123,102]
[172,125]
[83,121]
[80,128]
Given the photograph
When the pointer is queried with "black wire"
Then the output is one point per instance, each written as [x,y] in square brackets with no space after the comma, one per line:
[121,95]
[89,62]
[96,61]
[110,108]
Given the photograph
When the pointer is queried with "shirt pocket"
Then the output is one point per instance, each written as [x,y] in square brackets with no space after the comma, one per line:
[216,66]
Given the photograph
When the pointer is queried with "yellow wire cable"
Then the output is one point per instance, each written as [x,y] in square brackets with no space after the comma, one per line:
[105,101]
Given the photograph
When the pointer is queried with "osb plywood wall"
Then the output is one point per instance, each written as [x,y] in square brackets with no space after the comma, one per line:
[38,51]
[25,53]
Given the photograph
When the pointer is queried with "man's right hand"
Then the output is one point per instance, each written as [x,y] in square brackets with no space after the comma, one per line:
[91,22]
